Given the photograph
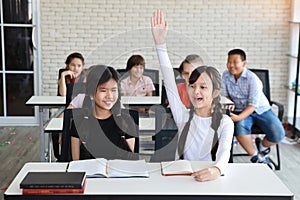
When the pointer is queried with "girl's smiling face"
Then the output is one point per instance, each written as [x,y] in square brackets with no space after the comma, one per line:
[106,95]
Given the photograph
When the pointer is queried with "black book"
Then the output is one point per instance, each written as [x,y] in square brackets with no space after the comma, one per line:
[70,180]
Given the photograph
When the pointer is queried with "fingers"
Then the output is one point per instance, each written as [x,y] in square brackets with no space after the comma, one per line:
[158,18]
[207,174]
[152,21]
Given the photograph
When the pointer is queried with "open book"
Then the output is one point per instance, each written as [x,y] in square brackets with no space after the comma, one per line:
[176,168]
[100,167]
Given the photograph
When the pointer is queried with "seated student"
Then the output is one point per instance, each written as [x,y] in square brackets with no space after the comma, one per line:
[136,84]
[102,129]
[245,89]
[185,69]
[72,74]
[205,133]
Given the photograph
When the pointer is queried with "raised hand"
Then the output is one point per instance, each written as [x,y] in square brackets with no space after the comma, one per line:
[159,27]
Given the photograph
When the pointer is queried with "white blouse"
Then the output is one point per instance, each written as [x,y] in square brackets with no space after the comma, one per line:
[200,135]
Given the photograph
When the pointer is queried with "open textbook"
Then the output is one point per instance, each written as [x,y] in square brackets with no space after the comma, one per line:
[101,167]
[176,168]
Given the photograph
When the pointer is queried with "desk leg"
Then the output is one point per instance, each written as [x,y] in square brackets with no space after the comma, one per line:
[49,146]
[44,150]
[42,136]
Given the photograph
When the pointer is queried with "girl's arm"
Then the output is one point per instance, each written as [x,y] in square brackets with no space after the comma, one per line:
[222,155]
[159,30]
[226,130]
[75,147]
[62,86]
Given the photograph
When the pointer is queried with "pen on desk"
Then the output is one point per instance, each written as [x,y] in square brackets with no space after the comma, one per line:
[67,167]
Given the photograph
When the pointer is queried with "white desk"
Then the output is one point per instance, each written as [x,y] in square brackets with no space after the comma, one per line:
[241,180]
[226,101]
[56,124]
[140,100]
[152,100]
[45,102]
[147,124]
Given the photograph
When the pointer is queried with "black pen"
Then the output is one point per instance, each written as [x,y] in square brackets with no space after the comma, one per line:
[67,167]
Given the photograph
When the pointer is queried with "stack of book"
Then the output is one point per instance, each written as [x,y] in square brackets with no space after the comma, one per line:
[53,182]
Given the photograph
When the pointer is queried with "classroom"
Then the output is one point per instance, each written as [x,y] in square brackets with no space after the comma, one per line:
[38,35]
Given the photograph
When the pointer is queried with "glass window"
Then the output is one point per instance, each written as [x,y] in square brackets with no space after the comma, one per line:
[18,45]
[1,96]
[19,88]
[1,61]
[17,11]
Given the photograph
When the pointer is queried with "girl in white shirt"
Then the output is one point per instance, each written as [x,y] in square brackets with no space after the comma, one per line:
[205,133]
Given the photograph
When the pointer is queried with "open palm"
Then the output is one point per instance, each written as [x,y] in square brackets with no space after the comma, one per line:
[159,27]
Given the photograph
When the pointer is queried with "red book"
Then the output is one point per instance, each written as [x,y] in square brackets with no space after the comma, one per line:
[54,190]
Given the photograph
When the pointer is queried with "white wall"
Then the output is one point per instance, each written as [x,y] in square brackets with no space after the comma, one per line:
[110,31]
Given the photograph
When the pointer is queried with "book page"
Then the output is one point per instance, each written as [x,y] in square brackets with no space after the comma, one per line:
[127,168]
[178,167]
[93,167]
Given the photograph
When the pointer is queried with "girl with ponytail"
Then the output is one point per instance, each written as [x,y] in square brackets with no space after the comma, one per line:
[205,132]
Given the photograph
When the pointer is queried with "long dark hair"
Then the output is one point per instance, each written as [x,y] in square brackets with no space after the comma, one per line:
[98,75]
[217,114]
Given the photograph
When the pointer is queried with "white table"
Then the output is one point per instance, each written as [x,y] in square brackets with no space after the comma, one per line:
[45,102]
[241,180]
[154,100]
[140,100]
[56,124]
[226,101]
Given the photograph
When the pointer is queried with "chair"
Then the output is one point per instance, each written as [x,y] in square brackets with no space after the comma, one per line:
[152,73]
[135,116]
[263,75]
[66,154]
[166,136]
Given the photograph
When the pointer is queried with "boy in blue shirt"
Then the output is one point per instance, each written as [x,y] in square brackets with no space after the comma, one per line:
[245,89]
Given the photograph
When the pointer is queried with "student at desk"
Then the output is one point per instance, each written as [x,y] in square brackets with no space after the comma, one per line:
[73,72]
[101,128]
[205,133]
[136,84]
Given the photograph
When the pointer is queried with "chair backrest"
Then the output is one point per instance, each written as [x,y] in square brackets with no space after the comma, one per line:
[152,73]
[263,75]
[176,72]
[135,116]
[166,136]
[59,75]
[66,155]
